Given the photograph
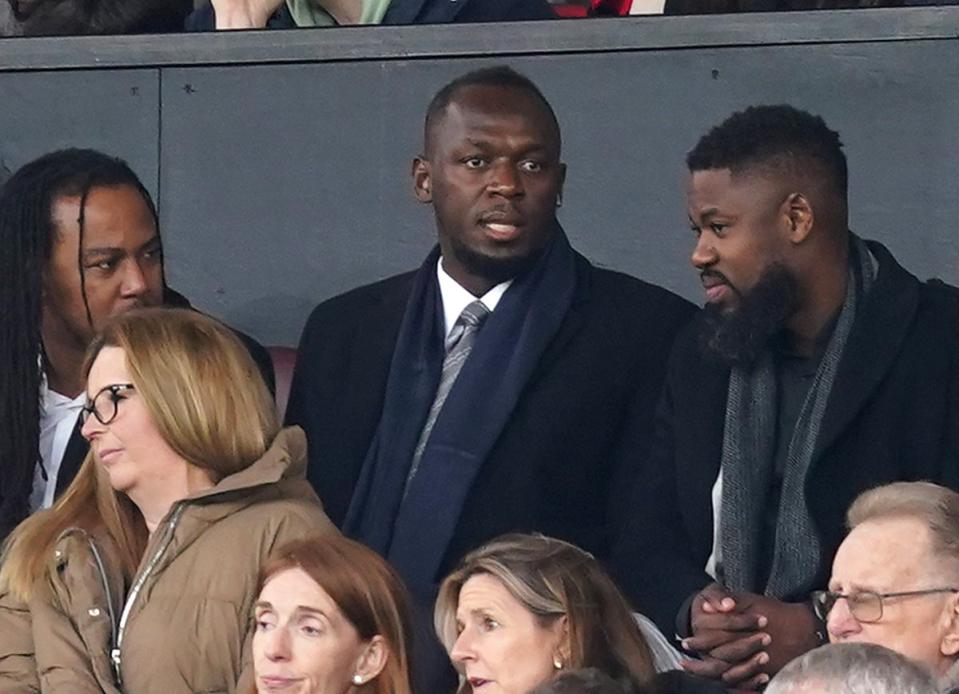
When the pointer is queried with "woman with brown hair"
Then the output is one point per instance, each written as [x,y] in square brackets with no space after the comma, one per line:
[142,577]
[522,608]
[332,618]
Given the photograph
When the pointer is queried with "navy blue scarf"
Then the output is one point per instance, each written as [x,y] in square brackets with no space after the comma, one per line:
[413,533]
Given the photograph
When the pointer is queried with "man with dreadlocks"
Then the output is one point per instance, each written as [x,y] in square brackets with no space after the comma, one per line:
[81,244]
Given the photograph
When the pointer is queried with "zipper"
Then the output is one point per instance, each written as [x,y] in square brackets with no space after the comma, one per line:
[106,589]
[137,586]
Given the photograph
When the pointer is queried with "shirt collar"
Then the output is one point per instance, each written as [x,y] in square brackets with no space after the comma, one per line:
[455,297]
[51,399]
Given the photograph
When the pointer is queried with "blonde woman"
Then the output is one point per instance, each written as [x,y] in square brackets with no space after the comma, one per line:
[522,608]
[142,577]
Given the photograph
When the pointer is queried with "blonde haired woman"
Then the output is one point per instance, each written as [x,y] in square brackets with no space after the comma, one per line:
[523,607]
[142,577]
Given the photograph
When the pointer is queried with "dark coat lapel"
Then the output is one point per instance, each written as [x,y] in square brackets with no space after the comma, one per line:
[876,339]
[574,321]
[73,457]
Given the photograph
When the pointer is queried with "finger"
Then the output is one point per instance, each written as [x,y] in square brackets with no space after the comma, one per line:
[753,684]
[707,667]
[741,649]
[716,598]
[743,672]
[705,642]
[728,622]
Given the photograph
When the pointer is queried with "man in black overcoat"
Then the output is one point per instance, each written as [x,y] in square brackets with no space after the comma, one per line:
[561,357]
[818,369]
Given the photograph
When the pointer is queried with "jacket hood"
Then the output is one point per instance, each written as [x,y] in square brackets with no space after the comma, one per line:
[284,459]
[279,473]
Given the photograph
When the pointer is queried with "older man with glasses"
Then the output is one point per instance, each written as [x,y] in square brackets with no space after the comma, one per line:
[895,578]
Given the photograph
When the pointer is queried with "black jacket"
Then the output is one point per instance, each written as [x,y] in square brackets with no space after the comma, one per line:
[554,468]
[412,12]
[893,414]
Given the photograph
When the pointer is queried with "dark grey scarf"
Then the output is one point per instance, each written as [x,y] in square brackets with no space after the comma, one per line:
[749,441]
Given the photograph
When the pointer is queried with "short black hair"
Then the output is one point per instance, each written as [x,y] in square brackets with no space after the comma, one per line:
[781,136]
[496,76]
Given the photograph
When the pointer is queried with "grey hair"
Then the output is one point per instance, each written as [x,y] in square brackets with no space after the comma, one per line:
[853,668]
[933,505]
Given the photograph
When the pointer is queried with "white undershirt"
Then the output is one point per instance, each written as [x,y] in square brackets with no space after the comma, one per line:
[58,417]
[456,298]
[714,564]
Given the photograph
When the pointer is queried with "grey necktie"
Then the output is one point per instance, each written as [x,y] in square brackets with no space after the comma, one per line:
[459,344]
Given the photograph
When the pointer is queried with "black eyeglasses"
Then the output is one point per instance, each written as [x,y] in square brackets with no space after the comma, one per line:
[865,606]
[104,404]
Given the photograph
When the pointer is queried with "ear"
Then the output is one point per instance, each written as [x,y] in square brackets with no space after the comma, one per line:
[799,217]
[563,648]
[949,646]
[562,181]
[371,661]
[422,179]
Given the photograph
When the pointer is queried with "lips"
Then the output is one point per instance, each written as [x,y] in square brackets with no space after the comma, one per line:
[716,292]
[715,285]
[106,453]
[278,683]
[502,226]
[477,682]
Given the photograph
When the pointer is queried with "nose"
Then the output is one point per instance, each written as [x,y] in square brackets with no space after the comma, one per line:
[704,254]
[840,623]
[462,650]
[91,427]
[505,180]
[277,647]
[134,281]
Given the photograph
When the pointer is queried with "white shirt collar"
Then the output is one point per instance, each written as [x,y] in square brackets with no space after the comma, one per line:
[51,399]
[456,297]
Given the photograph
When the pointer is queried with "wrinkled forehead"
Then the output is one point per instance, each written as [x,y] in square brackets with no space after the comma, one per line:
[887,554]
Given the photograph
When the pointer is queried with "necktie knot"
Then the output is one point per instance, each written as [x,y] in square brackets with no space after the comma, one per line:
[474,314]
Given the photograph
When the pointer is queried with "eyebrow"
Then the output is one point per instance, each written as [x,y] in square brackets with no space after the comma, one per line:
[300,609]
[532,146]
[480,612]
[112,250]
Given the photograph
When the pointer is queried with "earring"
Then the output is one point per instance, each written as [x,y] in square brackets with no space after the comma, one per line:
[357,679]
[557,663]
[559,200]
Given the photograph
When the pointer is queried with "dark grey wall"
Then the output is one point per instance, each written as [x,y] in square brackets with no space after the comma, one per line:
[284,183]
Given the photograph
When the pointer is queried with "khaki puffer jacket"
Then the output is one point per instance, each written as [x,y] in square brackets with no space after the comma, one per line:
[185,623]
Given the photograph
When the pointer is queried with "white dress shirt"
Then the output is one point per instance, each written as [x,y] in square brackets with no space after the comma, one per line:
[456,298]
[58,417]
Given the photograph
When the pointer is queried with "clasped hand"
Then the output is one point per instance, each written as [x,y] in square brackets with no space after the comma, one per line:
[744,638]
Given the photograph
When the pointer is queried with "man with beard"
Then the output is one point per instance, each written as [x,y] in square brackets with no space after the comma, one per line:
[490,390]
[819,368]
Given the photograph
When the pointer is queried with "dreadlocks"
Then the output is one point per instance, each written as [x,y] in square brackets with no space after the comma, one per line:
[27,235]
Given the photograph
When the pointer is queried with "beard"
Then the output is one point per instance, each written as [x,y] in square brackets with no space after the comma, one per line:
[492,268]
[736,337]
